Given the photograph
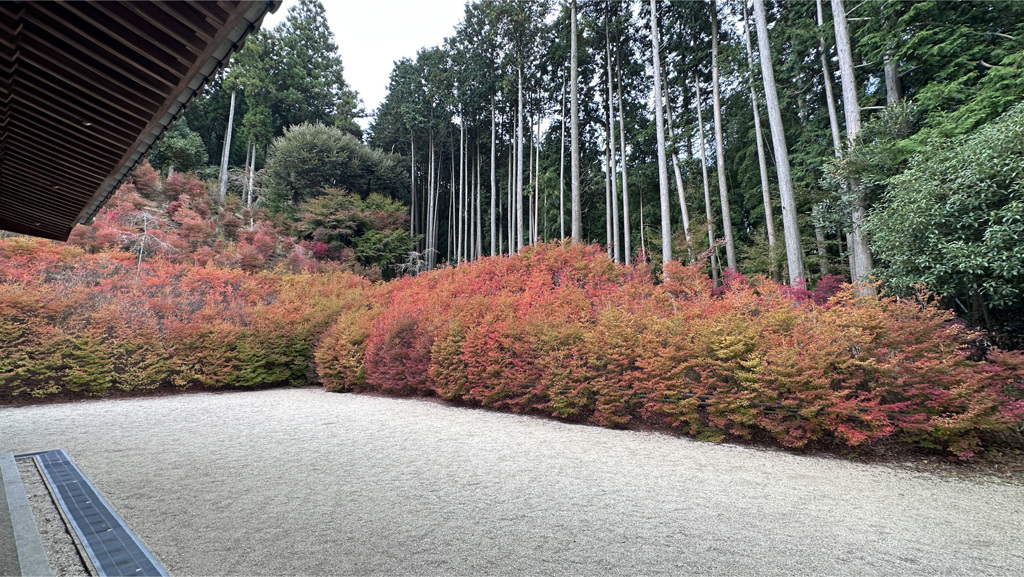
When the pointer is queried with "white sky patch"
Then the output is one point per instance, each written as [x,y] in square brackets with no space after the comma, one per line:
[372,34]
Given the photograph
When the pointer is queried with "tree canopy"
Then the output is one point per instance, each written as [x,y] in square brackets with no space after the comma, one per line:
[310,158]
[180,147]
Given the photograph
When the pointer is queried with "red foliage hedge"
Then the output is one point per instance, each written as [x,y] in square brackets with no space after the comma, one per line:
[563,331]
[558,330]
[77,323]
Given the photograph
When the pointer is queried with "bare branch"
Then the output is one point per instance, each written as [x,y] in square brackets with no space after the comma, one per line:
[990,33]
[851,10]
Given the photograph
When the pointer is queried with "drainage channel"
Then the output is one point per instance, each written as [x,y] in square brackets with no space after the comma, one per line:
[112,548]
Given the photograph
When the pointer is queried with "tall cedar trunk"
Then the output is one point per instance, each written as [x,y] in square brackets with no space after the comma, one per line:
[501,225]
[506,222]
[608,177]
[666,221]
[851,262]
[435,162]
[249,187]
[471,183]
[428,222]
[245,193]
[626,233]
[546,228]
[683,209]
[574,130]
[833,120]
[616,246]
[819,239]
[451,211]
[830,99]
[465,199]
[426,212]
[451,207]
[534,174]
[494,184]
[435,167]
[536,189]
[412,185]
[609,240]
[430,203]
[479,250]
[528,225]
[227,151]
[561,173]
[893,88]
[643,237]
[762,162]
[510,224]
[471,208]
[461,205]
[471,180]
[723,189]
[707,185]
[519,167]
[479,206]
[794,253]
[851,109]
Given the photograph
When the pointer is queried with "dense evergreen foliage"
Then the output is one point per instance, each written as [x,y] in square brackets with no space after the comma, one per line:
[180,148]
[954,221]
[310,158]
[283,77]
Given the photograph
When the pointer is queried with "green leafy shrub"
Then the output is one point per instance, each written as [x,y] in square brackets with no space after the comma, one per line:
[953,221]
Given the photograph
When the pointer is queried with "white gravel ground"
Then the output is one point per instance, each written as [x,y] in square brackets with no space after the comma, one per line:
[298,481]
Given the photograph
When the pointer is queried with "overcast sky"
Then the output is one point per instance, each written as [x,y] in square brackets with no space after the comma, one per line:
[372,34]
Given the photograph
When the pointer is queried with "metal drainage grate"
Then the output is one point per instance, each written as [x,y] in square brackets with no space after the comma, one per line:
[107,540]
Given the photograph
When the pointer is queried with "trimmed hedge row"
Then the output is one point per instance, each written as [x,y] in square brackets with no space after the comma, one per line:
[80,324]
[563,331]
[557,330]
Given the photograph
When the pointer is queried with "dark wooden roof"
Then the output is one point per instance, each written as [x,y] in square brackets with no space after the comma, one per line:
[86,88]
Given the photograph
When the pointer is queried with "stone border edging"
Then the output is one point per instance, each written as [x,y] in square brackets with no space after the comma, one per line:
[32,556]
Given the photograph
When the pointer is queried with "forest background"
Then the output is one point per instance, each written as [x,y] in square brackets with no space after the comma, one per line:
[880,142]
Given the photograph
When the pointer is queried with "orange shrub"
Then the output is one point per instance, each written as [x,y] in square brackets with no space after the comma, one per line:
[563,331]
[90,324]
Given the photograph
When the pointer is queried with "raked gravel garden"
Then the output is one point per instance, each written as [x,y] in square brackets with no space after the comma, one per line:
[302,481]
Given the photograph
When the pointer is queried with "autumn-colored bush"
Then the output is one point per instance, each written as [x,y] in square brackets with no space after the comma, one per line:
[563,331]
[78,323]
[176,219]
